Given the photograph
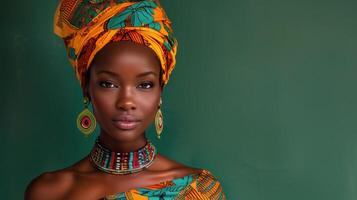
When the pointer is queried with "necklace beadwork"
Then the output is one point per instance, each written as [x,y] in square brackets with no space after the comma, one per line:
[122,162]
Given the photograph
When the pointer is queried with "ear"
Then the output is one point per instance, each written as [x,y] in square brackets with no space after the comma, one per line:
[85,91]
[161,88]
[86,82]
[160,103]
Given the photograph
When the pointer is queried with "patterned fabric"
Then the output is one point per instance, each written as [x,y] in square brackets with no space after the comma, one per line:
[86,26]
[203,186]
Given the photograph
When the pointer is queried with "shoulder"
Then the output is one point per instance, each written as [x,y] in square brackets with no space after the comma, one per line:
[206,186]
[175,168]
[205,176]
[166,162]
[50,185]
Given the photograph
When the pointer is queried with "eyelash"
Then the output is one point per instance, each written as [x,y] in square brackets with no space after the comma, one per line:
[147,83]
[105,84]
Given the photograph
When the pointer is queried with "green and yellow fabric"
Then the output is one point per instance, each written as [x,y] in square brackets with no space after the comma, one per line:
[202,186]
[86,26]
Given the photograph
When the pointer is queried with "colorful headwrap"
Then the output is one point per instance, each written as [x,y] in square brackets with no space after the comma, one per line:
[86,26]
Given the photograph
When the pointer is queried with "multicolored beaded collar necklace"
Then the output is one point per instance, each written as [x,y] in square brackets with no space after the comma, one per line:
[122,163]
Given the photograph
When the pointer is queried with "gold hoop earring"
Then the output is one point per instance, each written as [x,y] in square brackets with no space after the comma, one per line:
[86,122]
[159,121]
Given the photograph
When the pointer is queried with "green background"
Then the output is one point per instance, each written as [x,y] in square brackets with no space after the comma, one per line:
[263,95]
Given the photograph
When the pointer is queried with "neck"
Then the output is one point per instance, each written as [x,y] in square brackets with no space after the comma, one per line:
[122,145]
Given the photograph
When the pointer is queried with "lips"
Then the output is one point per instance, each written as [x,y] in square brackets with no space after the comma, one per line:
[126,122]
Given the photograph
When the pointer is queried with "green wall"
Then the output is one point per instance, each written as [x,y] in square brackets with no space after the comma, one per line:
[263,95]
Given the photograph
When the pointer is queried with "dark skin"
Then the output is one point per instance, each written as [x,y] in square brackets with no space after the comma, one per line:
[124,80]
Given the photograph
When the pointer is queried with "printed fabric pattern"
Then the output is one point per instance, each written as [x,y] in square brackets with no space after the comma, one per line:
[86,26]
[202,186]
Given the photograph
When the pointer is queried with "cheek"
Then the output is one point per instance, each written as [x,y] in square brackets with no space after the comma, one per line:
[149,105]
[102,105]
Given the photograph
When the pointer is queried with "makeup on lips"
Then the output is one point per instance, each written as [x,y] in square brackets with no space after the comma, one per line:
[126,122]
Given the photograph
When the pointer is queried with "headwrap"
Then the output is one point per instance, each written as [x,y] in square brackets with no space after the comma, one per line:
[86,26]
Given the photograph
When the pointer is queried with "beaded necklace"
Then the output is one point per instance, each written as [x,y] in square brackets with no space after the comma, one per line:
[122,163]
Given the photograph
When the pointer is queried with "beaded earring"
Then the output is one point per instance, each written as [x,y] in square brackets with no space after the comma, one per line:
[159,121]
[86,122]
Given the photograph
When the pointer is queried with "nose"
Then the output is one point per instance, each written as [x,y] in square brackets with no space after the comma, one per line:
[125,100]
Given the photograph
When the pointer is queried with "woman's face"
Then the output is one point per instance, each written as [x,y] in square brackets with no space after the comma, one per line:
[124,89]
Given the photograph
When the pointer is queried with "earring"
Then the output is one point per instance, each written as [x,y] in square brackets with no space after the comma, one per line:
[86,122]
[159,122]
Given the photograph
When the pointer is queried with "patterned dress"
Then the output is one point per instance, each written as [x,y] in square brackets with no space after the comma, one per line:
[202,186]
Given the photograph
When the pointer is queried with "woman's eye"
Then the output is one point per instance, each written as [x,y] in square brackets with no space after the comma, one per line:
[107,84]
[146,85]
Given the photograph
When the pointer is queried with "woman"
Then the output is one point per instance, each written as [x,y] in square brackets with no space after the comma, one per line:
[123,53]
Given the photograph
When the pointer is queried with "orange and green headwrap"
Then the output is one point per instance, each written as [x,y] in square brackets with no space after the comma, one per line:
[86,26]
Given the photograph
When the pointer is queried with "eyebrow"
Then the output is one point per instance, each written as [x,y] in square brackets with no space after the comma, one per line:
[107,72]
[139,75]
[146,73]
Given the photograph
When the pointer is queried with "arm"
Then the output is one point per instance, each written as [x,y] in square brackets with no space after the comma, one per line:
[205,186]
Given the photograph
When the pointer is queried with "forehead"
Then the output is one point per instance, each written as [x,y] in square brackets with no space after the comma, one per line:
[117,55]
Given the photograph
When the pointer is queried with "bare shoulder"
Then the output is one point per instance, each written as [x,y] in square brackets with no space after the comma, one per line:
[50,185]
[204,181]
[178,168]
